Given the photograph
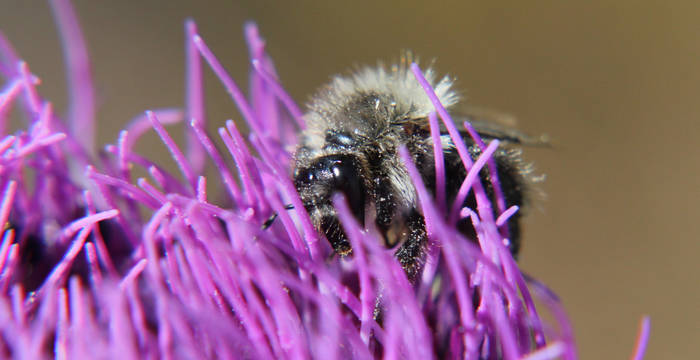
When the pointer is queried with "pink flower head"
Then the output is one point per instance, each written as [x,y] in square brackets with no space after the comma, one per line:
[96,263]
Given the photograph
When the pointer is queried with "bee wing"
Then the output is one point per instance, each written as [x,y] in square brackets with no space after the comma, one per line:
[492,124]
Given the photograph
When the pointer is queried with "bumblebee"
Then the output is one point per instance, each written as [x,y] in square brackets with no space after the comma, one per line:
[356,125]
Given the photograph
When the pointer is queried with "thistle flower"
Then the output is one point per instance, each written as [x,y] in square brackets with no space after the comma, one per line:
[96,263]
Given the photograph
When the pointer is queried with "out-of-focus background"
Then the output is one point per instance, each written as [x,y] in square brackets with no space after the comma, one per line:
[614,83]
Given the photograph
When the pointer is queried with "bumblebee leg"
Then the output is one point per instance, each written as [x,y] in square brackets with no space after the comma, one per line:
[412,251]
[335,235]
[385,205]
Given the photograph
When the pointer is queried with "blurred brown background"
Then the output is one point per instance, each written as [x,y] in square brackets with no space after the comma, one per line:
[615,84]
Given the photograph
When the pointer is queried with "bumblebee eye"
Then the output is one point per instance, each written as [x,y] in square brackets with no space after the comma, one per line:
[343,171]
[335,173]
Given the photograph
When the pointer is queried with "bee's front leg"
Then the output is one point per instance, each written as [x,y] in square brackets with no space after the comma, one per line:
[412,252]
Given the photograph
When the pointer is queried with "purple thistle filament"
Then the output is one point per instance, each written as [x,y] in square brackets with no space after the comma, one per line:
[84,274]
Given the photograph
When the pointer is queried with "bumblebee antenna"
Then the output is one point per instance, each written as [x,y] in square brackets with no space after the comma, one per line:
[272,218]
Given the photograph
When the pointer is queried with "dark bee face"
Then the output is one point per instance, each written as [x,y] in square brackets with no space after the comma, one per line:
[324,177]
